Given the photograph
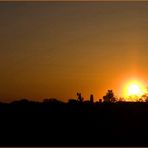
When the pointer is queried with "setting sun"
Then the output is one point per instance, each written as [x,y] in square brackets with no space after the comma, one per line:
[133,89]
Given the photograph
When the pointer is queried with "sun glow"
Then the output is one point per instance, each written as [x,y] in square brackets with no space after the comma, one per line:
[133,90]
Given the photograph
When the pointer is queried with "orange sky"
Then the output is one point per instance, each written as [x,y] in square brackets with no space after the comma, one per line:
[56,49]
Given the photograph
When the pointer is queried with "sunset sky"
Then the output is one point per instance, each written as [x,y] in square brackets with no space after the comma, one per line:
[56,49]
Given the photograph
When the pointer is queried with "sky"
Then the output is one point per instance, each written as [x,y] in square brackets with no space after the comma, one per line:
[56,49]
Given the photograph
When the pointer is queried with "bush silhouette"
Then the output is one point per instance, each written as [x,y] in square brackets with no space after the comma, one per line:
[80,98]
[109,97]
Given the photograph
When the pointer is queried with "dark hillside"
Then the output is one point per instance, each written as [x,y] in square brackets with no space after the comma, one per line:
[25,123]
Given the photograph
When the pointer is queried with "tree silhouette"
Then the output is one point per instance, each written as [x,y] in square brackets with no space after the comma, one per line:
[121,99]
[109,97]
[145,97]
[80,98]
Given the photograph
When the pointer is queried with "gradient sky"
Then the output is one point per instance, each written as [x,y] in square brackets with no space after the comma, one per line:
[56,49]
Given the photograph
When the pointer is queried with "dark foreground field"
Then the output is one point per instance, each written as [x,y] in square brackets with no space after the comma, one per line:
[58,124]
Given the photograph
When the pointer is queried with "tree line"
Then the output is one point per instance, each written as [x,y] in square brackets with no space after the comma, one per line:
[110,97]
